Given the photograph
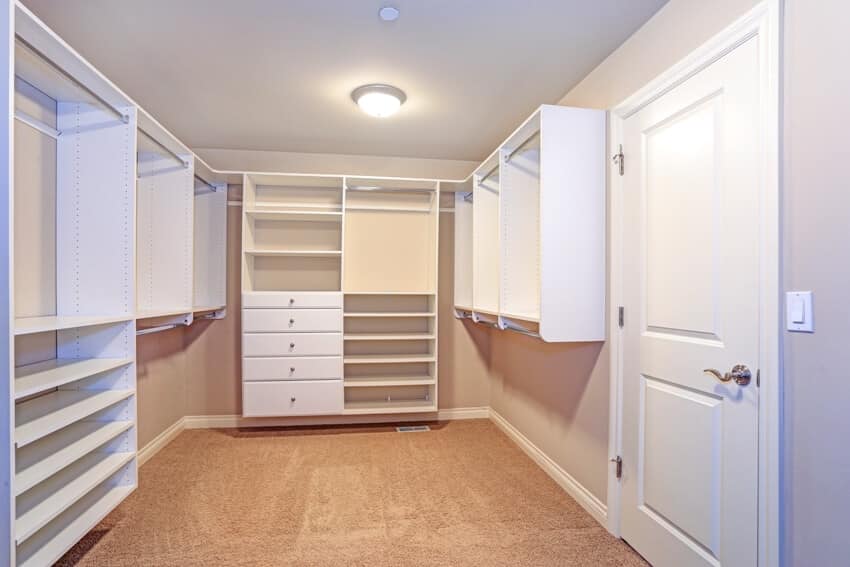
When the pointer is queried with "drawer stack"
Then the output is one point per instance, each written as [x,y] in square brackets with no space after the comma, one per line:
[292,349]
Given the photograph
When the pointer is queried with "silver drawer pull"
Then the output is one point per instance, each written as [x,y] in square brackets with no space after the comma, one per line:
[292,369]
[291,300]
[292,399]
[291,322]
[291,345]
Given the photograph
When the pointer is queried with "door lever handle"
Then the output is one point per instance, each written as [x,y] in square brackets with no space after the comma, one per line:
[740,373]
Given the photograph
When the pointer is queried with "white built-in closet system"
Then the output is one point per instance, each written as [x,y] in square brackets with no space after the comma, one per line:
[530,230]
[339,295]
[118,229]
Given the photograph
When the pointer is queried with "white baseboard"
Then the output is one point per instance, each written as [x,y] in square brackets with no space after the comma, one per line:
[160,441]
[234,421]
[571,486]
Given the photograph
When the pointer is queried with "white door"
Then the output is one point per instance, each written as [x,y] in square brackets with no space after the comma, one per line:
[691,225]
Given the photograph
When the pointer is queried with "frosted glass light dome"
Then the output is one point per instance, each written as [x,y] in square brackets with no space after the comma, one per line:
[380,101]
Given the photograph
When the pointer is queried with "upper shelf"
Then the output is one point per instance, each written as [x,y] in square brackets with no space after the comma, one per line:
[32,325]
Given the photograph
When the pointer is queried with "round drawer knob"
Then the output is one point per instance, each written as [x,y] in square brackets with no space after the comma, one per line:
[292,398]
[292,369]
[291,300]
[292,321]
[291,345]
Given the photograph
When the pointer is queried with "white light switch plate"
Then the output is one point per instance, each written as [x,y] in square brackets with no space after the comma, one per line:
[799,316]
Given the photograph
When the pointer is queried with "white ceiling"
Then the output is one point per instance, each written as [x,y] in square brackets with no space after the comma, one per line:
[276,74]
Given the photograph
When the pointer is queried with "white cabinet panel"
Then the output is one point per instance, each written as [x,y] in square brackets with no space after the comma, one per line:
[292,344]
[292,368]
[291,320]
[293,300]
[261,399]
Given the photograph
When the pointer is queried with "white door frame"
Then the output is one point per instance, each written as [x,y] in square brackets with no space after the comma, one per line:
[763,23]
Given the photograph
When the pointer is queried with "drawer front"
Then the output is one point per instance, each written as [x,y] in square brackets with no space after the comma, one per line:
[291,368]
[292,344]
[291,320]
[267,399]
[293,300]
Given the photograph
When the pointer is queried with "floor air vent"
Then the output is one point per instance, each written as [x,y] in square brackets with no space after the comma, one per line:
[412,428]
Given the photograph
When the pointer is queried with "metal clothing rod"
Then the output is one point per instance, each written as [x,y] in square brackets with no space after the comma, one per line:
[522,145]
[56,67]
[150,330]
[182,162]
[205,182]
[489,173]
[390,189]
[37,124]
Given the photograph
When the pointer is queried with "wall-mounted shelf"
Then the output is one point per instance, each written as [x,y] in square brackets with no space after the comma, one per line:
[32,379]
[385,381]
[529,245]
[388,358]
[32,325]
[294,216]
[296,253]
[359,407]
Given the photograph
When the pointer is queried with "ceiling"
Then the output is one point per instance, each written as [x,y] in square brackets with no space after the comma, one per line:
[277,74]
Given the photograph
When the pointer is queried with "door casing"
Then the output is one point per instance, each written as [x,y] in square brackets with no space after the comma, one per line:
[764,22]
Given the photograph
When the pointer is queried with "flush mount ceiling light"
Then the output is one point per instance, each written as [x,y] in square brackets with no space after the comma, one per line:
[378,100]
[388,13]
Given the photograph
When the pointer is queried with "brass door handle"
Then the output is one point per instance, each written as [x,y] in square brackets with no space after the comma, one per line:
[739,373]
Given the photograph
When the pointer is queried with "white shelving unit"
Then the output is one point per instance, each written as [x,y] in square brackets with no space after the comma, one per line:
[165,223]
[73,396]
[537,230]
[210,242]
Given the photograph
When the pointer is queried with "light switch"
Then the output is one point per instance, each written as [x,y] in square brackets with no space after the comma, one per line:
[798,311]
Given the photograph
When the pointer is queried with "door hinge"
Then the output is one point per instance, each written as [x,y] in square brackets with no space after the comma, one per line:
[620,160]
[619,461]
[621,316]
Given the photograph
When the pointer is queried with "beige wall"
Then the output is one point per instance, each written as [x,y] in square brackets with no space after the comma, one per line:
[557,395]
[816,252]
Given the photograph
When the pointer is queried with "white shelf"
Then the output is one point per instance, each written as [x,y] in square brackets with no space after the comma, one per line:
[49,544]
[158,313]
[41,459]
[382,314]
[302,253]
[32,325]
[377,407]
[207,308]
[389,337]
[532,317]
[299,216]
[387,358]
[46,501]
[42,416]
[42,376]
[424,293]
[272,207]
[384,381]
[389,209]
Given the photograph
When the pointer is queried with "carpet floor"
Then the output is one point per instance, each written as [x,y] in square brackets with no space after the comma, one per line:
[461,494]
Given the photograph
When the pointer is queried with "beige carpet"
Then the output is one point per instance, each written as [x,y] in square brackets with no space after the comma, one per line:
[462,494]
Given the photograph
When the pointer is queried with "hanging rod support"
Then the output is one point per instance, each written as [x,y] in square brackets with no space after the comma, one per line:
[162,146]
[37,124]
[490,172]
[207,183]
[521,146]
[467,197]
[125,118]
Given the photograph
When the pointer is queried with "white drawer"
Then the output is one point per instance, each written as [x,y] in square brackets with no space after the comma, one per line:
[266,399]
[294,300]
[292,344]
[291,320]
[291,368]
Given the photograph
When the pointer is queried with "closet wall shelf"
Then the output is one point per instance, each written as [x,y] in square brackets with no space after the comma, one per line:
[32,325]
[383,314]
[40,460]
[157,314]
[275,207]
[47,500]
[387,358]
[384,381]
[44,548]
[346,292]
[42,376]
[378,407]
[300,216]
[389,337]
[385,209]
[38,418]
[299,253]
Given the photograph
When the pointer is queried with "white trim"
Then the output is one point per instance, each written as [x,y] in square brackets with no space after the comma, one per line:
[159,442]
[594,506]
[762,21]
[463,413]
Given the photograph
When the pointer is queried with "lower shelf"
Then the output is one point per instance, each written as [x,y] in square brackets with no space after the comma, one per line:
[50,543]
[44,502]
[378,381]
[378,407]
